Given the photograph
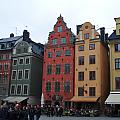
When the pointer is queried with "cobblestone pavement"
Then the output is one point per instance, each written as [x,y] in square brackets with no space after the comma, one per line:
[78,118]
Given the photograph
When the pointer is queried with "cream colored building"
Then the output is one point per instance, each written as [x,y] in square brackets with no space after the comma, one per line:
[91,66]
[114,44]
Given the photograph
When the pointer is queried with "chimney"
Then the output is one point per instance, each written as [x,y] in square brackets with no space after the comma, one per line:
[102,33]
[11,35]
[25,35]
[106,36]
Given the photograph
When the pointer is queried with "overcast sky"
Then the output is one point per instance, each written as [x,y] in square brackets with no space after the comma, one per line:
[40,16]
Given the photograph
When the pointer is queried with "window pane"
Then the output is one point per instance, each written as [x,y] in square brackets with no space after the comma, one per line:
[92,59]
[25,92]
[67,68]
[20,74]
[14,62]
[48,87]
[54,42]
[27,61]
[57,86]
[63,40]
[67,53]
[21,61]
[14,75]
[19,89]
[117,81]
[117,63]
[12,89]
[60,29]
[49,55]
[49,69]
[91,91]
[67,86]
[57,69]
[58,53]
[26,74]
[81,60]
[81,76]
[80,91]
[91,46]
[92,75]
[86,36]
[81,48]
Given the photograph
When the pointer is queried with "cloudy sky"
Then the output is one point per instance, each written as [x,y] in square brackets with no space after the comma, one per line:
[39,16]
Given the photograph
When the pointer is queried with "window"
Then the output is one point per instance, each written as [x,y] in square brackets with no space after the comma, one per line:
[48,86]
[14,73]
[86,36]
[12,91]
[91,46]
[5,66]
[63,40]
[25,89]
[80,91]
[26,74]
[81,60]
[117,47]
[25,50]
[18,51]
[19,89]
[5,76]
[67,53]
[27,60]
[58,53]
[117,81]
[60,29]
[91,91]
[117,63]
[81,76]
[58,69]
[49,69]
[49,55]
[54,42]
[14,61]
[57,86]
[1,57]
[21,60]
[81,48]
[67,86]
[0,67]
[92,75]
[20,74]
[67,68]
[92,59]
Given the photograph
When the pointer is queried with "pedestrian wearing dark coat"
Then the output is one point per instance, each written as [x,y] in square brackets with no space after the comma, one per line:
[37,112]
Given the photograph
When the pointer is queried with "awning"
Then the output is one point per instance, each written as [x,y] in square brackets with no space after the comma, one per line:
[15,99]
[84,99]
[113,98]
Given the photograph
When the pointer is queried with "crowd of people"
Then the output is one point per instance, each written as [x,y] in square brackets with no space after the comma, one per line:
[19,112]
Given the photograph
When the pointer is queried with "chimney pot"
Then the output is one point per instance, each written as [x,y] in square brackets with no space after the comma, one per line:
[11,35]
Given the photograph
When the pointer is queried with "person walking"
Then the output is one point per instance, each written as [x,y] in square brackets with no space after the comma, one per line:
[37,112]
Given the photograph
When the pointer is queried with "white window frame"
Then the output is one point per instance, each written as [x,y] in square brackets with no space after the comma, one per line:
[19,61]
[17,88]
[13,62]
[28,74]
[27,89]
[12,75]
[29,60]
[18,75]
[11,89]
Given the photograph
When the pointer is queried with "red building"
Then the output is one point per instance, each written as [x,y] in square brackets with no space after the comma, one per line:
[58,68]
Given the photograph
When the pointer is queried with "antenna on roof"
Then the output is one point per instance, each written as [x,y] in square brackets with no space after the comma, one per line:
[16,31]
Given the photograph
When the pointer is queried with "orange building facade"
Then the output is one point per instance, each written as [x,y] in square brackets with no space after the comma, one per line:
[91,67]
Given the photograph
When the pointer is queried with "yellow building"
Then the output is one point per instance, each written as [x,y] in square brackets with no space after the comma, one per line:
[91,66]
[114,43]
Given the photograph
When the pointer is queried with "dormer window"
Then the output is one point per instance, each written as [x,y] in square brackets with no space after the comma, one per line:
[86,36]
[2,46]
[60,29]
